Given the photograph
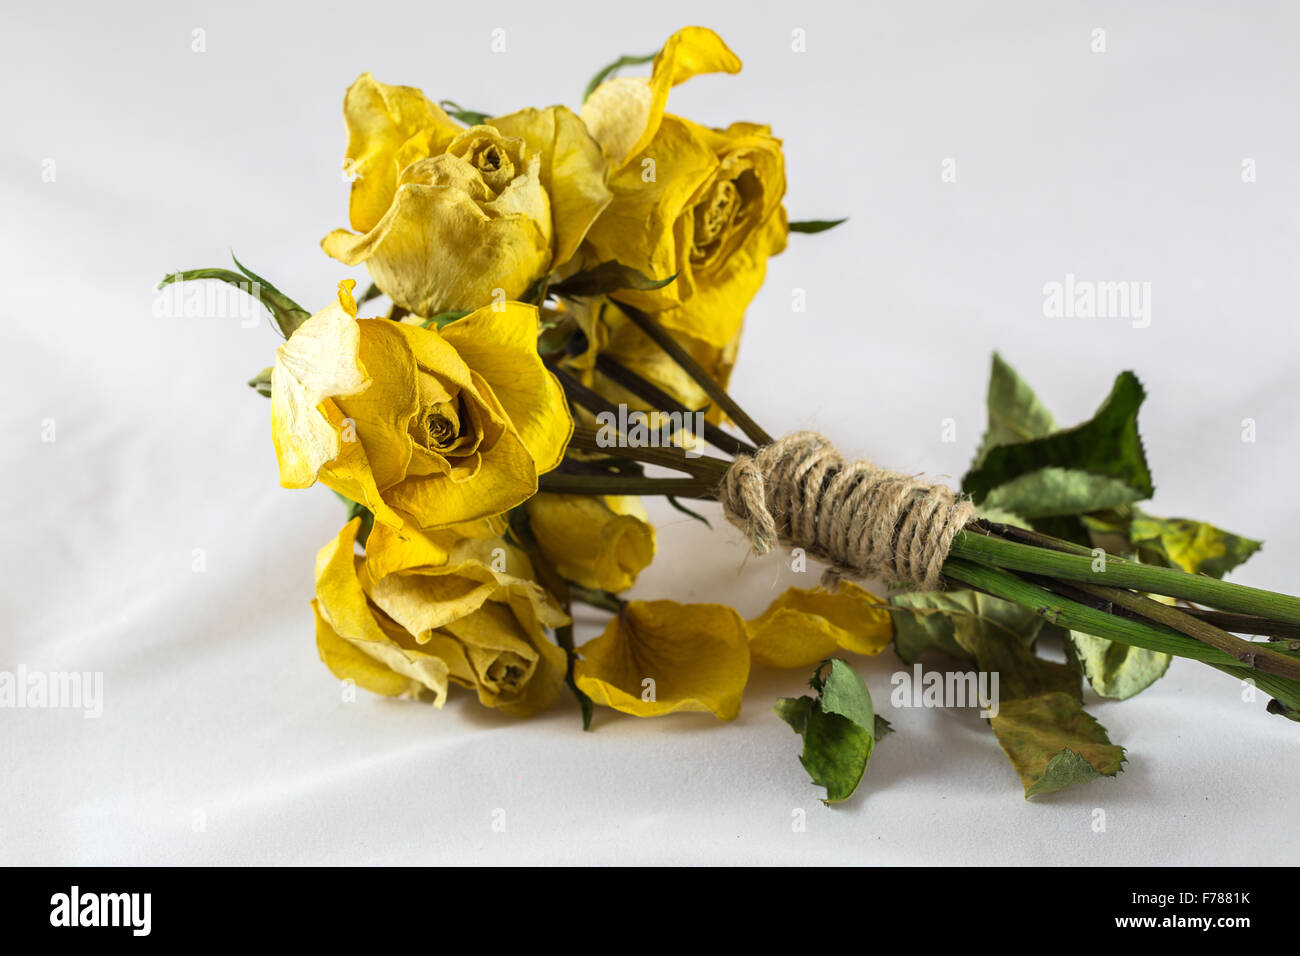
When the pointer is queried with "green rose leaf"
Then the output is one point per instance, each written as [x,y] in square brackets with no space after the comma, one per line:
[839,728]
[620,63]
[1195,546]
[1108,445]
[1015,413]
[1051,492]
[1053,743]
[286,313]
[606,278]
[813,226]
[1114,670]
[261,382]
[1018,671]
[1036,708]
[927,620]
[459,113]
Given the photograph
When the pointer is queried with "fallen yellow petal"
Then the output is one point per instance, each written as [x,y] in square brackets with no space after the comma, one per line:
[657,657]
[802,627]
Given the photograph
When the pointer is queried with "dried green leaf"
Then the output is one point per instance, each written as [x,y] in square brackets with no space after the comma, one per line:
[261,382]
[687,511]
[925,620]
[1049,492]
[813,226]
[286,313]
[1020,673]
[608,71]
[605,279]
[839,728]
[1053,743]
[1115,670]
[1108,444]
[1015,412]
[1195,546]
[458,112]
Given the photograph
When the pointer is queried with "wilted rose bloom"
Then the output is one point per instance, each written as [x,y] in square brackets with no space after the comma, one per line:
[419,612]
[432,427]
[702,204]
[449,218]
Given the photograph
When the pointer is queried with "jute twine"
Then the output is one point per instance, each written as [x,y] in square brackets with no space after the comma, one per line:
[862,520]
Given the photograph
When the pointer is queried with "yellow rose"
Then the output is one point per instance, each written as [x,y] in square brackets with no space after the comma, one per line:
[449,218]
[435,428]
[597,542]
[700,203]
[419,612]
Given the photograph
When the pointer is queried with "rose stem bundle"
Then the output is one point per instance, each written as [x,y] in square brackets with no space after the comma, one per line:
[1072,586]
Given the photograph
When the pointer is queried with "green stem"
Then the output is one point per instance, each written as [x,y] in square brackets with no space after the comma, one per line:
[657,397]
[669,456]
[695,370]
[1248,624]
[605,600]
[551,579]
[567,484]
[971,545]
[1076,616]
[1255,655]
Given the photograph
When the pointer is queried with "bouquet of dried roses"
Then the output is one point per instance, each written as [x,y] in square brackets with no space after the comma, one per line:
[567,294]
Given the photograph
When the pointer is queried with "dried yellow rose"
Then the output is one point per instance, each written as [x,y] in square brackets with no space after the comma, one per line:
[703,204]
[454,218]
[435,428]
[658,657]
[600,542]
[419,612]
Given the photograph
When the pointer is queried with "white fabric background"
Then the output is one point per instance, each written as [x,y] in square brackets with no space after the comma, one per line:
[1121,166]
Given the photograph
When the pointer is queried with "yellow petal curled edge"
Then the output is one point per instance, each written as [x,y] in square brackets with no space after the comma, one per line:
[351,642]
[624,113]
[389,127]
[320,361]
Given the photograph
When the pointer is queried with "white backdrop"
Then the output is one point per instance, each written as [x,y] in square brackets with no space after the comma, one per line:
[224,740]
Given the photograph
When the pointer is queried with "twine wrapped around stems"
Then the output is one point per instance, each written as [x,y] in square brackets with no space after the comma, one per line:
[862,520]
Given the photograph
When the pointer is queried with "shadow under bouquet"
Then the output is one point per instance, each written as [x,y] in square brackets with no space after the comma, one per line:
[554,309]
